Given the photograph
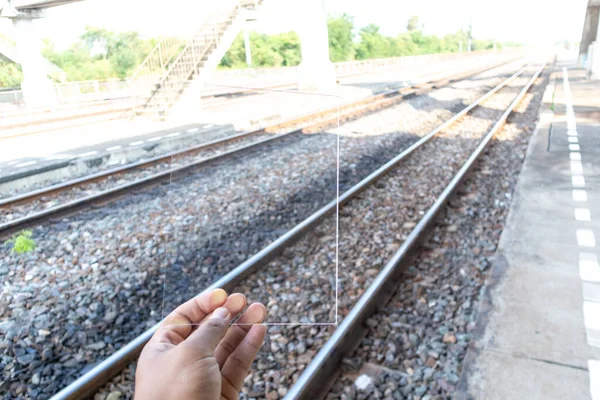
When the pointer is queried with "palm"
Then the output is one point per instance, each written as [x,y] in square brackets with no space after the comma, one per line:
[196,354]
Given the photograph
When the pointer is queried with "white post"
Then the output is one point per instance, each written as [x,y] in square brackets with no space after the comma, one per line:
[316,72]
[469,43]
[494,45]
[460,49]
[594,56]
[37,88]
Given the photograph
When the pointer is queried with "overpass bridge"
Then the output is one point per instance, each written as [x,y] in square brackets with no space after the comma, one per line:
[24,5]
[8,52]
[37,88]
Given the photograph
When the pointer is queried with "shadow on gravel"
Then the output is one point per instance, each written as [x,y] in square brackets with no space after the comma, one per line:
[235,243]
[197,267]
[314,190]
[122,310]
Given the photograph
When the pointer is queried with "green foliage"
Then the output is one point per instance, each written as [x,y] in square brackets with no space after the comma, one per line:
[341,36]
[282,50]
[10,75]
[414,24]
[21,242]
[100,54]
[373,44]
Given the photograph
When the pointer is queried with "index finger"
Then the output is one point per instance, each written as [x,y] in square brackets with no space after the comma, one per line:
[178,325]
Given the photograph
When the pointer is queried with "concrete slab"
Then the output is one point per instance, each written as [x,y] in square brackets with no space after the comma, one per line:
[541,314]
[502,376]
[22,173]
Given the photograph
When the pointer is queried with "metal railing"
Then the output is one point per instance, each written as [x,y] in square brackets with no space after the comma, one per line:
[160,57]
[73,95]
[195,53]
[75,92]
[157,62]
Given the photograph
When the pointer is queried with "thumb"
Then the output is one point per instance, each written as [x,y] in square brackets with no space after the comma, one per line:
[205,339]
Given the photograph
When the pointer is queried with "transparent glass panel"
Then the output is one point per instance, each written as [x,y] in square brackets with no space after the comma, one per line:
[281,168]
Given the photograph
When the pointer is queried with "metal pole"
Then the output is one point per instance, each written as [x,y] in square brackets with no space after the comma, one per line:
[470,37]
[247,46]
[160,58]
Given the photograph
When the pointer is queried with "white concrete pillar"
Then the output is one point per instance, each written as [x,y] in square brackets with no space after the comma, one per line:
[594,61]
[37,88]
[594,56]
[316,72]
[598,30]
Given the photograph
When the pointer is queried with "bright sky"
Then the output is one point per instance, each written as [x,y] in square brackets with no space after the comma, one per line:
[525,21]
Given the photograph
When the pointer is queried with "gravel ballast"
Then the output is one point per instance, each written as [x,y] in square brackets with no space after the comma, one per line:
[297,287]
[95,280]
[416,343]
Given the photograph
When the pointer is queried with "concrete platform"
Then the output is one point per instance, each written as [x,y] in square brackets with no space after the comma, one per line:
[19,174]
[538,334]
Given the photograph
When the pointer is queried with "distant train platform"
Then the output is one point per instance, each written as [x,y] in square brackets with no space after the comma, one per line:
[539,331]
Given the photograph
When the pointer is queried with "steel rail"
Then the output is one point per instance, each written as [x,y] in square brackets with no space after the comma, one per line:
[165,157]
[45,191]
[410,90]
[87,384]
[368,104]
[319,375]
[154,179]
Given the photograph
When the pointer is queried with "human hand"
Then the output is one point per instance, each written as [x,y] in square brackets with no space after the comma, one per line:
[206,361]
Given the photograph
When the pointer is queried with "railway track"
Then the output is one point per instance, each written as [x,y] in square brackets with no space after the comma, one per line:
[339,341]
[28,209]
[319,373]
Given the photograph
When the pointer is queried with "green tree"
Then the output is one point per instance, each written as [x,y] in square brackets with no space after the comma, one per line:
[126,51]
[341,45]
[405,46]
[10,75]
[414,24]
[372,43]
[100,54]
[282,50]
[98,41]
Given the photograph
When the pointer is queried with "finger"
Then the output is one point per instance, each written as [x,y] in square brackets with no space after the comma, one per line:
[253,315]
[202,342]
[235,303]
[238,363]
[177,326]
